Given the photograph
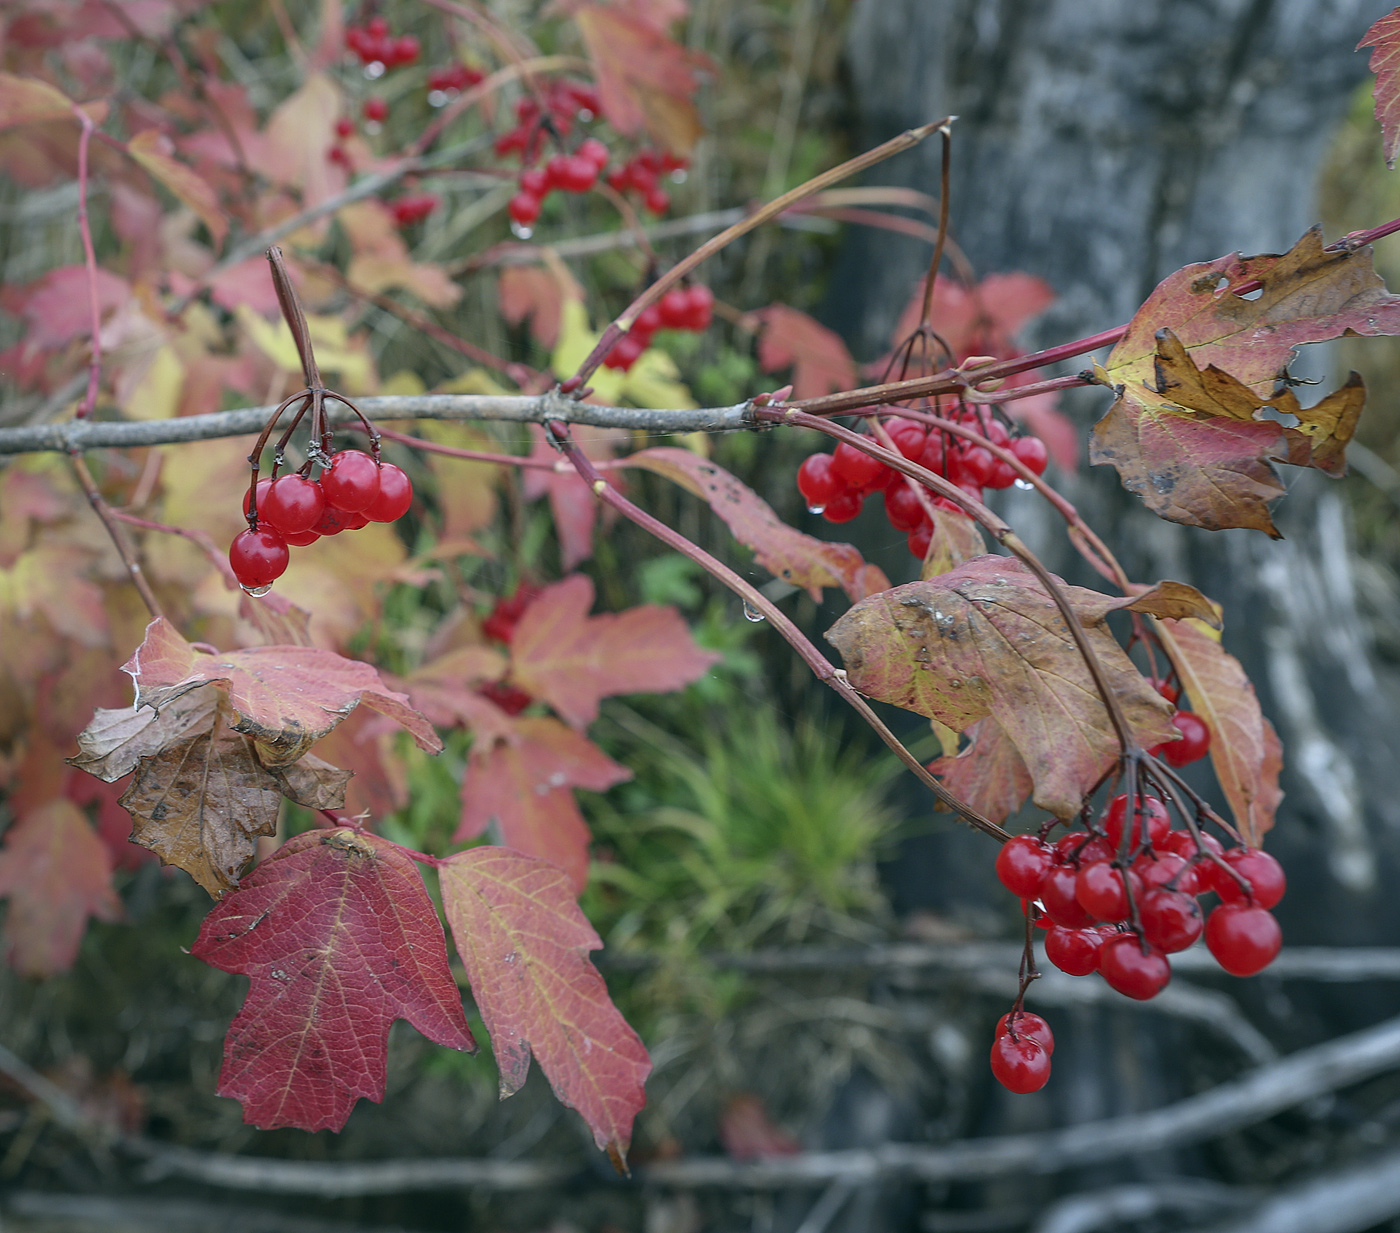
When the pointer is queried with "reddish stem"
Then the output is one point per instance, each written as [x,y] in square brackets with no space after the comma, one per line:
[90,259]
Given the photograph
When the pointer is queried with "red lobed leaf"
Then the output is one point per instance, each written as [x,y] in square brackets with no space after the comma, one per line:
[571,501]
[980,320]
[573,660]
[1384,36]
[56,873]
[817,356]
[339,938]
[524,782]
[525,944]
[784,551]
[989,775]
[285,697]
[155,152]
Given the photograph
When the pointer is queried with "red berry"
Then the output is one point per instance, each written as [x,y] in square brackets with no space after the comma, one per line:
[1032,1027]
[700,305]
[333,521]
[574,174]
[933,457]
[648,321]
[534,183]
[1022,865]
[414,208]
[510,698]
[1134,974]
[404,50]
[903,507]
[1194,742]
[351,482]
[909,438]
[626,352]
[1078,849]
[1002,476]
[657,200]
[976,466]
[674,308]
[1020,1065]
[263,486]
[1057,893]
[344,127]
[1243,939]
[817,482]
[1150,810]
[1169,691]
[1156,869]
[1100,890]
[258,557]
[1263,873]
[1171,921]
[300,539]
[1031,453]
[375,110]
[919,539]
[1075,951]
[854,466]
[377,27]
[293,504]
[1184,844]
[843,506]
[595,152]
[523,209]
[394,497]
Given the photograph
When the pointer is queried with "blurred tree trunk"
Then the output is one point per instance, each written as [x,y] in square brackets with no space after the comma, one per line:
[1101,145]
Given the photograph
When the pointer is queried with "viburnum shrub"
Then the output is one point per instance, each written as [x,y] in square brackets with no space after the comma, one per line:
[246,693]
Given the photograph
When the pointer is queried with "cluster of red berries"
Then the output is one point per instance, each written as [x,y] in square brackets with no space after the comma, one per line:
[443,83]
[373,44]
[1119,906]
[564,102]
[690,308]
[835,485]
[294,510]
[569,173]
[642,173]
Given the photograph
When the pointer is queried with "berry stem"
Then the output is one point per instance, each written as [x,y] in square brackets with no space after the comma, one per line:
[90,262]
[821,667]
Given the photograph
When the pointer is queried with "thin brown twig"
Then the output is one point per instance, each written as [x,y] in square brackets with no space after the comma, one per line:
[124,549]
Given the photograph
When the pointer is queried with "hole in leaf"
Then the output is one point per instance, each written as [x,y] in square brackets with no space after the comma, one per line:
[1252,295]
[1286,418]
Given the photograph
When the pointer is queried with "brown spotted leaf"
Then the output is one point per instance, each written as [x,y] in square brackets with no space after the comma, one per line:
[1384,36]
[525,944]
[112,744]
[955,539]
[1244,748]
[784,551]
[1200,367]
[987,640]
[339,938]
[285,697]
[989,776]
[572,660]
[56,872]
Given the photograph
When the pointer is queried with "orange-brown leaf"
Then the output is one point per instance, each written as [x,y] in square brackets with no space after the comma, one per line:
[784,551]
[986,639]
[155,152]
[525,944]
[1384,36]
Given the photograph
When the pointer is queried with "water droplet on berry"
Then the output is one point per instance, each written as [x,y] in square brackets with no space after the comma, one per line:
[257,592]
[584,114]
[1023,485]
[751,613]
[373,128]
[437,98]
[520,231]
[816,509]
[374,70]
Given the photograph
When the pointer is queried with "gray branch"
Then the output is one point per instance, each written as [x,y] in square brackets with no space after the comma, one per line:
[76,435]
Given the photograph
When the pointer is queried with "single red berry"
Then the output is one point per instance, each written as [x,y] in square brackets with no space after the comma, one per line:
[293,504]
[510,698]
[403,51]
[1183,843]
[258,557]
[674,308]
[1194,743]
[843,506]
[414,208]
[1243,939]
[1099,887]
[1156,869]
[344,127]
[976,466]
[909,437]
[595,152]
[300,539]
[1125,968]
[575,174]
[1057,893]
[1003,475]
[1171,921]
[375,109]
[1169,691]
[394,497]
[377,27]
[933,457]
[1020,1064]
[626,352]
[263,486]
[351,481]
[333,521]
[817,482]
[1079,849]
[657,200]
[1033,1027]
[919,540]
[648,321]
[1263,873]
[903,507]
[1075,951]
[857,468]
[1022,865]
[523,209]
[1031,453]
[534,182]
[700,305]
[1150,810]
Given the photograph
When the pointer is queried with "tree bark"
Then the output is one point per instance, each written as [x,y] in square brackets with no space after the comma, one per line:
[1102,145]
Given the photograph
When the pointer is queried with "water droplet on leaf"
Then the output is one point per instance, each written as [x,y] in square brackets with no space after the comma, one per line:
[751,613]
